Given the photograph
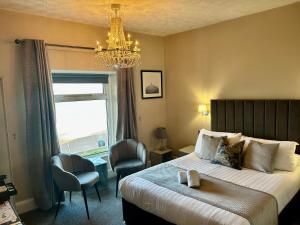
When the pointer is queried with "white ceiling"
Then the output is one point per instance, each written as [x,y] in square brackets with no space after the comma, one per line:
[158,17]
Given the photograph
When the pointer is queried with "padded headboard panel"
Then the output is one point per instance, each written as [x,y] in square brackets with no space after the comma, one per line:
[269,119]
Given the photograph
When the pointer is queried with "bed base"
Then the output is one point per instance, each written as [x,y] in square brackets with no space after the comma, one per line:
[134,215]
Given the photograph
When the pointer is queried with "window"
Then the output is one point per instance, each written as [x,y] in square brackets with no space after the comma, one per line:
[85,108]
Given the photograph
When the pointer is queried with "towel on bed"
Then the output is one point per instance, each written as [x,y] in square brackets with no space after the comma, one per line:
[193,178]
[182,177]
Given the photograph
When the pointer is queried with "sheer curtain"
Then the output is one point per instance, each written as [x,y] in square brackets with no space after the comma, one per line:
[42,142]
[112,108]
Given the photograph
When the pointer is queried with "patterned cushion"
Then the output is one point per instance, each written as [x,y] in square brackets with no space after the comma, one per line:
[229,154]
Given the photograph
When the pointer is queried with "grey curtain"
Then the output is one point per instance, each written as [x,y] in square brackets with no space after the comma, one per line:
[126,123]
[42,142]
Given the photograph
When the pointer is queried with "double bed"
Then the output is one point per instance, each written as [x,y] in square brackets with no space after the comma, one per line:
[154,200]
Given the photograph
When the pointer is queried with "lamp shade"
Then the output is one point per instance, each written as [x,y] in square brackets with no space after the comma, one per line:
[202,108]
[161,133]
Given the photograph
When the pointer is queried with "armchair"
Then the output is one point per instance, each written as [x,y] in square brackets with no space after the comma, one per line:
[127,157]
[74,173]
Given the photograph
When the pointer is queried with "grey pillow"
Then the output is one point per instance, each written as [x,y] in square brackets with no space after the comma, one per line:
[259,156]
[209,147]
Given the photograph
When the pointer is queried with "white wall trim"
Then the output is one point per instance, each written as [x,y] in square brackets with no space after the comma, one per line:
[26,205]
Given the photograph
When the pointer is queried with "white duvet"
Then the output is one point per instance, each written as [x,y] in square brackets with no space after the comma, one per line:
[183,210]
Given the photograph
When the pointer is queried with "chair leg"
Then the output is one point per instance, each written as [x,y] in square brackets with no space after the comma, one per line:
[96,187]
[70,196]
[85,202]
[117,184]
[59,200]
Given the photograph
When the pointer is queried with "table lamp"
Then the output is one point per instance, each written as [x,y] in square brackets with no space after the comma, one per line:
[161,134]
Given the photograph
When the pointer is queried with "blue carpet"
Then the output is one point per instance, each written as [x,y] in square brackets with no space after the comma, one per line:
[106,212]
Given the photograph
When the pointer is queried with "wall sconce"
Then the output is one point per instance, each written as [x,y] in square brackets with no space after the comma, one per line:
[202,108]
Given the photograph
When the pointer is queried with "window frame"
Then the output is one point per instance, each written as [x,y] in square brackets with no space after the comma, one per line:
[80,97]
[86,97]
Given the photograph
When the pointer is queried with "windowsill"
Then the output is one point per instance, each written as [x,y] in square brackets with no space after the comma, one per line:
[102,154]
[93,152]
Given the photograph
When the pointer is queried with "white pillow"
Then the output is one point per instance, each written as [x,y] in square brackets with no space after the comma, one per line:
[285,158]
[232,138]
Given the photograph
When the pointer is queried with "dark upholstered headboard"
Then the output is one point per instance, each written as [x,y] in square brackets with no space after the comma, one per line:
[269,119]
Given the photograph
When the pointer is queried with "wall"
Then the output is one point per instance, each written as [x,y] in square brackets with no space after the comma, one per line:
[17,25]
[256,56]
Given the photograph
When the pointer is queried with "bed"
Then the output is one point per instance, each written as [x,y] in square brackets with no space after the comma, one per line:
[146,202]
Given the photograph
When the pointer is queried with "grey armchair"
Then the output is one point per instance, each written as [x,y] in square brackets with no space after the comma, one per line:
[127,157]
[74,173]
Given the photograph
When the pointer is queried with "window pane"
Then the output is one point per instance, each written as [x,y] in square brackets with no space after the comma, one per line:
[82,126]
[77,88]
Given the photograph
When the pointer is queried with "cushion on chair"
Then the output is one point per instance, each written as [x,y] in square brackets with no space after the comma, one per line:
[87,179]
[129,166]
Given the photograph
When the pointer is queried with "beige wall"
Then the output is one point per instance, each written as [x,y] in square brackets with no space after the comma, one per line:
[257,56]
[151,113]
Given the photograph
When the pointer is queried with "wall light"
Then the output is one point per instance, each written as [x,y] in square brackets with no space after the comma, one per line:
[202,108]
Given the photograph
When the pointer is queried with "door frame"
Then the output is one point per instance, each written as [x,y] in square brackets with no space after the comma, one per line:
[2,96]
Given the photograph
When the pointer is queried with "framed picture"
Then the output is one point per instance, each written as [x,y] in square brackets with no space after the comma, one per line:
[152,84]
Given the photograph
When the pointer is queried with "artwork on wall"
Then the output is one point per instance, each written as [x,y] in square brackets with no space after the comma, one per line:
[152,84]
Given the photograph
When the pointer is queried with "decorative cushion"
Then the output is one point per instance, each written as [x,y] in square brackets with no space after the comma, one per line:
[229,154]
[232,138]
[260,156]
[209,147]
[285,158]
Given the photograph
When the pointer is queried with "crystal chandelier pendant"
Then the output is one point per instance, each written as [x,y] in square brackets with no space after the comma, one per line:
[121,52]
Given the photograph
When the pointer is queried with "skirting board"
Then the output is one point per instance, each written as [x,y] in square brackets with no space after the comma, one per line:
[26,205]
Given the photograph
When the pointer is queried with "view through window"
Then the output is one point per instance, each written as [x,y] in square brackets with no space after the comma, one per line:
[81,116]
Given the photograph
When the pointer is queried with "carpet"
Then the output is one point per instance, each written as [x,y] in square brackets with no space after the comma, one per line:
[106,212]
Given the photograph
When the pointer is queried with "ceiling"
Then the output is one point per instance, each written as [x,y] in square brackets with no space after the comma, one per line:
[157,17]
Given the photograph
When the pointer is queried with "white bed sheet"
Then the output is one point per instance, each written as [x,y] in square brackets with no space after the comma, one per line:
[183,210]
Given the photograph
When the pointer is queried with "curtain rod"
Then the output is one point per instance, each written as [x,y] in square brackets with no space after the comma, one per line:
[19,41]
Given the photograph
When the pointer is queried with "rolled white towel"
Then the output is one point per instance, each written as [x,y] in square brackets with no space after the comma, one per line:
[182,177]
[193,178]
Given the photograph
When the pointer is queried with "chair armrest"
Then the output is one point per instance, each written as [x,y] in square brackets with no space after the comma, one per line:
[66,181]
[81,164]
[114,155]
[142,153]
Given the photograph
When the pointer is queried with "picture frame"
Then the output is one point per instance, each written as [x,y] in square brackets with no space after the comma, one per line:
[151,84]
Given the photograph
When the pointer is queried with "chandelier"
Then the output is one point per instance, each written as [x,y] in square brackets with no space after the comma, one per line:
[120,52]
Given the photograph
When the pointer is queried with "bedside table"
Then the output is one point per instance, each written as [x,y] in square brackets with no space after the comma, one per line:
[186,150]
[101,167]
[158,156]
